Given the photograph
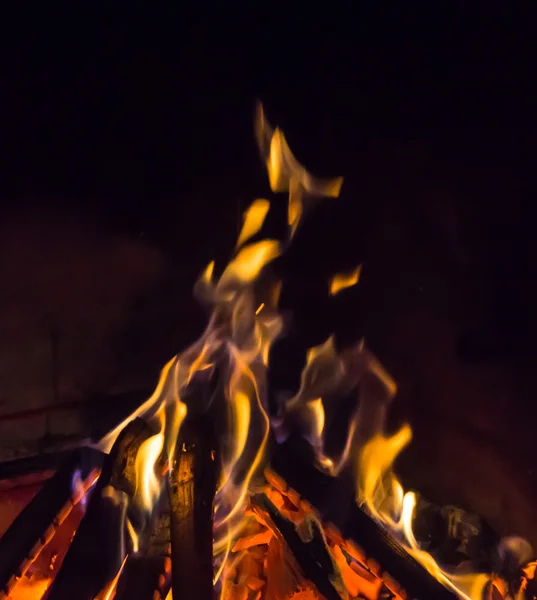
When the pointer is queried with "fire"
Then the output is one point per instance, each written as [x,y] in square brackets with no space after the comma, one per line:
[236,346]
[147,484]
[381,493]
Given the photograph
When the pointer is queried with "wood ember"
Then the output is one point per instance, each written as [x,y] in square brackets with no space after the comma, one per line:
[267,561]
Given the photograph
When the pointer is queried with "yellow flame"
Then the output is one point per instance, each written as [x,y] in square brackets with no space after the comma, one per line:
[379,490]
[241,414]
[147,483]
[287,174]
[133,536]
[107,442]
[342,281]
[282,164]
[376,482]
[249,262]
[317,410]
[207,275]
[237,341]
[260,450]
[253,220]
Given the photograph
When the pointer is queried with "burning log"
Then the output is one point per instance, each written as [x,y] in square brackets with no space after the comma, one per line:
[39,521]
[355,524]
[102,541]
[192,491]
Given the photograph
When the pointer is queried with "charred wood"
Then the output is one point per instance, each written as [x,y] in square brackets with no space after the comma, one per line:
[36,523]
[192,490]
[102,540]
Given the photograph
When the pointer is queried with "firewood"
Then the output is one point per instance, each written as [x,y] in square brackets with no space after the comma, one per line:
[102,540]
[192,490]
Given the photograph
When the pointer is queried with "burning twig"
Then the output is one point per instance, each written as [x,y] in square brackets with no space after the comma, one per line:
[103,539]
[192,491]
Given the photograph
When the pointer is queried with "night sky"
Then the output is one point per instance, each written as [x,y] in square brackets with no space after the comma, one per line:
[130,133]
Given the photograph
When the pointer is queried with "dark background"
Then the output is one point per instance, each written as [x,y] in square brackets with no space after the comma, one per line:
[128,155]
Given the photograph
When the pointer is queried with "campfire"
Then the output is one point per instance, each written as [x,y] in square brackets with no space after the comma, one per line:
[199,494]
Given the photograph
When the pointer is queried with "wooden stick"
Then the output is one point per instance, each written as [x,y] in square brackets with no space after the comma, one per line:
[102,540]
[192,491]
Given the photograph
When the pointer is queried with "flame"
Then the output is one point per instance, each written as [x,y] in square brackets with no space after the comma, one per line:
[237,342]
[147,484]
[253,220]
[287,174]
[247,265]
[381,493]
[207,275]
[133,535]
[342,281]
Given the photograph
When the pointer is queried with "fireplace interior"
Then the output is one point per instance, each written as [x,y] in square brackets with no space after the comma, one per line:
[71,541]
